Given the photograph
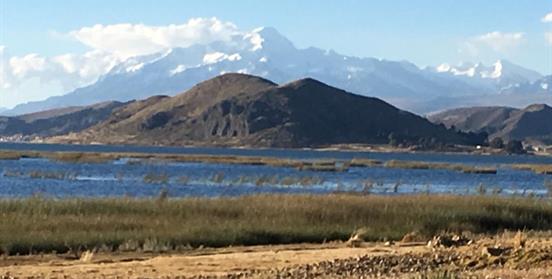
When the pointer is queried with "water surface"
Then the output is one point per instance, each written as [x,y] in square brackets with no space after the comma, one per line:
[27,177]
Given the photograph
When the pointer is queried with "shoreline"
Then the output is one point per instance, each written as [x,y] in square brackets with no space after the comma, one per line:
[346,148]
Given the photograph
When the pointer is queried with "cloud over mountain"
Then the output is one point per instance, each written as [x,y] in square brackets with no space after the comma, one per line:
[493,45]
[547,17]
[4,72]
[130,61]
[127,40]
[499,41]
[109,45]
[69,70]
[548,37]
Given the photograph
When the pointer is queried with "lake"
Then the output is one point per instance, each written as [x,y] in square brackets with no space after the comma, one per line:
[126,177]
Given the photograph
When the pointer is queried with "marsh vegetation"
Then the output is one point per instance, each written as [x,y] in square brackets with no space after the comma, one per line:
[160,224]
[325,165]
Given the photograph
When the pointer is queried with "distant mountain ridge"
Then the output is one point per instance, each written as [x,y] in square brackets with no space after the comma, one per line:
[57,121]
[531,123]
[265,52]
[499,76]
[541,86]
[245,110]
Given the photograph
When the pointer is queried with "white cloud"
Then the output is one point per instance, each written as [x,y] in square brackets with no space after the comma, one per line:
[547,17]
[493,44]
[4,70]
[34,77]
[500,42]
[21,67]
[70,70]
[469,48]
[548,37]
[110,45]
[126,40]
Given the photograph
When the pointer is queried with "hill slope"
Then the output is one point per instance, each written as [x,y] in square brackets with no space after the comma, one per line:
[244,110]
[58,121]
[530,123]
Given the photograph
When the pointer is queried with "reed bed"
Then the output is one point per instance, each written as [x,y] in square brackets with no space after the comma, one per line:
[15,155]
[537,168]
[326,165]
[444,166]
[362,162]
[10,155]
[37,225]
[81,157]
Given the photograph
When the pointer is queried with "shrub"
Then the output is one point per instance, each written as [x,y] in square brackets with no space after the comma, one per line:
[497,143]
[515,147]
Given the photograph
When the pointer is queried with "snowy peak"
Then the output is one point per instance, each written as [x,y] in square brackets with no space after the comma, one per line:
[273,39]
[265,52]
[259,42]
[540,86]
[463,69]
[497,70]
[502,73]
[508,70]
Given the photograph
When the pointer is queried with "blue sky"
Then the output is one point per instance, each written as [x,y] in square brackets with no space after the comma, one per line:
[422,31]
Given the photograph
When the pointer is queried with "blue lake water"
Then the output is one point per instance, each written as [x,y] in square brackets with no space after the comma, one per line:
[27,177]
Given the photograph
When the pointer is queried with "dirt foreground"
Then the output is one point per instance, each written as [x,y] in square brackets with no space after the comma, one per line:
[488,257]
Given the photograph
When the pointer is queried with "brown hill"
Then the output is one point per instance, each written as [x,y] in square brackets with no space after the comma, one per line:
[474,119]
[57,122]
[530,123]
[244,110]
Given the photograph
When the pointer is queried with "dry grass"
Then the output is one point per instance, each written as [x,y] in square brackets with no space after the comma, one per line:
[361,162]
[45,225]
[81,157]
[306,165]
[443,166]
[15,155]
[10,155]
[540,169]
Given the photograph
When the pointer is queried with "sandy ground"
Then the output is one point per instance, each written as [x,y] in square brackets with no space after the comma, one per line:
[401,260]
[214,262]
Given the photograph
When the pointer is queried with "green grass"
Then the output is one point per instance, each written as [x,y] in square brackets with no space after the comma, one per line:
[47,225]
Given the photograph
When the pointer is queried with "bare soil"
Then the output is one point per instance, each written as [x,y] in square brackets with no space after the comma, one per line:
[485,257]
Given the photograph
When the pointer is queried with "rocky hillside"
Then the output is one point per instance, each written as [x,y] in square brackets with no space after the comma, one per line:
[530,123]
[244,110]
[58,121]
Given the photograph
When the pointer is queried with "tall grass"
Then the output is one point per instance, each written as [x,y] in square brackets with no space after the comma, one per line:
[539,169]
[325,165]
[46,225]
[444,166]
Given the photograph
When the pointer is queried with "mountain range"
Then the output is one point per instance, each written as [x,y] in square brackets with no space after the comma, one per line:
[266,53]
[56,121]
[498,77]
[530,124]
[245,110]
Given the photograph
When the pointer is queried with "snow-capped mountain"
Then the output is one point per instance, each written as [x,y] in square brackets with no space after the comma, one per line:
[539,86]
[501,75]
[267,53]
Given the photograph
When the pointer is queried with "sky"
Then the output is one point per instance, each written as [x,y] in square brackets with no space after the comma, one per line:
[51,47]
